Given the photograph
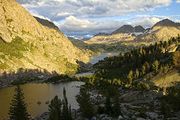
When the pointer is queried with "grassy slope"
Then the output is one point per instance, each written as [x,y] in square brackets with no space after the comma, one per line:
[167,80]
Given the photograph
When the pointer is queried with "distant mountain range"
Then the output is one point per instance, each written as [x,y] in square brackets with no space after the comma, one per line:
[163,30]
[129,29]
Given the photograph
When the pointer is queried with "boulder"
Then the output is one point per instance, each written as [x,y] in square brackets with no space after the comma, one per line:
[152,115]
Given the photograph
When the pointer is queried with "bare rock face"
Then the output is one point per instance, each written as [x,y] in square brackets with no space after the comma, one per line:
[25,43]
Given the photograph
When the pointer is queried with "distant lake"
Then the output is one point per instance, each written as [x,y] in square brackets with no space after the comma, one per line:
[39,92]
[97,58]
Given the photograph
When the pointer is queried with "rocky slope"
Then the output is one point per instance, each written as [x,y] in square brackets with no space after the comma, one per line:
[25,43]
[162,30]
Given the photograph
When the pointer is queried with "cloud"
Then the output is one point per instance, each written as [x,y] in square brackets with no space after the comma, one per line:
[178,1]
[36,14]
[74,25]
[91,8]
[147,21]
[93,16]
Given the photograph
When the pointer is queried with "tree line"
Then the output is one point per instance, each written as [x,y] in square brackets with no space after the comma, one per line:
[136,64]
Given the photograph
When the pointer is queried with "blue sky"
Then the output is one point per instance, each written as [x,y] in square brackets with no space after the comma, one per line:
[88,17]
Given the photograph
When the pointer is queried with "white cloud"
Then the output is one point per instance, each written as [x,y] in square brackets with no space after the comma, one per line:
[74,24]
[64,14]
[147,21]
[92,16]
[85,8]
[178,1]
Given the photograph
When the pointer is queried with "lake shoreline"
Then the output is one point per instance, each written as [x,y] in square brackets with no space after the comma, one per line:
[94,59]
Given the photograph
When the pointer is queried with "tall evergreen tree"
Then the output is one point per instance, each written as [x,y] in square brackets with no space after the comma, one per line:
[137,74]
[130,77]
[108,105]
[66,112]
[85,104]
[116,106]
[55,109]
[155,65]
[59,109]
[18,110]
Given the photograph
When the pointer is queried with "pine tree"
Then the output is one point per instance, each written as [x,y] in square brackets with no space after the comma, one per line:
[18,110]
[55,109]
[85,104]
[130,77]
[143,69]
[66,110]
[137,74]
[108,105]
[176,58]
[155,66]
[116,106]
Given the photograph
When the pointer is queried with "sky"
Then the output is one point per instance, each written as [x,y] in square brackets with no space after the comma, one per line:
[84,18]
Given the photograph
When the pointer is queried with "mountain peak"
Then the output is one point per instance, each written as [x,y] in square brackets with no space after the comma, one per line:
[129,29]
[139,28]
[166,22]
[124,29]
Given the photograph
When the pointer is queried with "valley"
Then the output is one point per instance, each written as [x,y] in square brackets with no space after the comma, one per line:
[127,70]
